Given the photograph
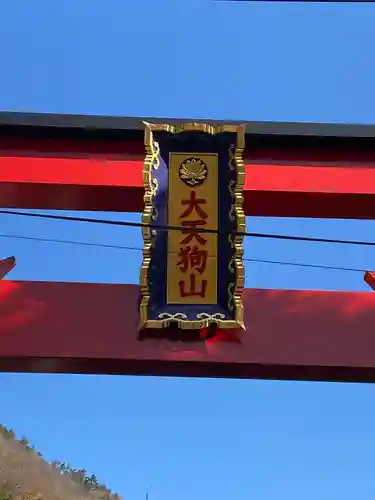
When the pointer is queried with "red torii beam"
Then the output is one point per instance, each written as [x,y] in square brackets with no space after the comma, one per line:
[285,180]
[86,328]
[92,328]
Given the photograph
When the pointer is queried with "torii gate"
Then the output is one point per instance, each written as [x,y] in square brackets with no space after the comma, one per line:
[95,163]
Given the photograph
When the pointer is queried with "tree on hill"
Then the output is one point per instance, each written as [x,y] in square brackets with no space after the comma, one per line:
[80,477]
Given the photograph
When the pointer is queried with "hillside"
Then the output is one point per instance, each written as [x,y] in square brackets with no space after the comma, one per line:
[25,475]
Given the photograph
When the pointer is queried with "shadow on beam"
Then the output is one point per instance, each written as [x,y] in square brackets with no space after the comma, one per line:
[187,369]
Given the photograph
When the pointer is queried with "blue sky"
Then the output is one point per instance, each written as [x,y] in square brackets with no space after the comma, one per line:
[256,61]
[196,58]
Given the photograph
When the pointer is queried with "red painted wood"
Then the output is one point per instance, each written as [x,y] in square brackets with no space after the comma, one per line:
[74,148]
[83,148]
[370,279]
[128,173]
[87,174]
[97,183]
[90,328]
[94,171]
[6,265]
[76,327]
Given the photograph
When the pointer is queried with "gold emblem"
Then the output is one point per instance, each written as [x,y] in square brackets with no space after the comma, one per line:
[193,172]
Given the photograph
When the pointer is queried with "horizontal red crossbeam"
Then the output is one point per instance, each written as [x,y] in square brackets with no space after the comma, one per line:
[78,175]
[92,328]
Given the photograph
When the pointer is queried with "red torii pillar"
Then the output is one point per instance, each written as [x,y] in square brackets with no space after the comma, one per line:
[92,328]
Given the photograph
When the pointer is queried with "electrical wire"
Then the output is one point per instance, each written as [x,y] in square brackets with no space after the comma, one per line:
[192,229]
[296,1]
[68,242]
[131,248]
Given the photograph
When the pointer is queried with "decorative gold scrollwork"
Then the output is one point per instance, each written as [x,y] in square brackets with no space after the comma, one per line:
[232,157]
[233,208]
[211,317]
[168,318]
[155,161]
[232,266]
[232,240]
[231,290]
[154,235]
[154,186]
[232,212]
[155,213]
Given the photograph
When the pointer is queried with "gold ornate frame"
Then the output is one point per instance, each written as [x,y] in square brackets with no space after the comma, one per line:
[151,163]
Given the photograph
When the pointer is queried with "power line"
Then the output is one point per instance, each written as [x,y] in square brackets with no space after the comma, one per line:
[131,248]
[300,264]
[68,242]
[297,1]
[182,228]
